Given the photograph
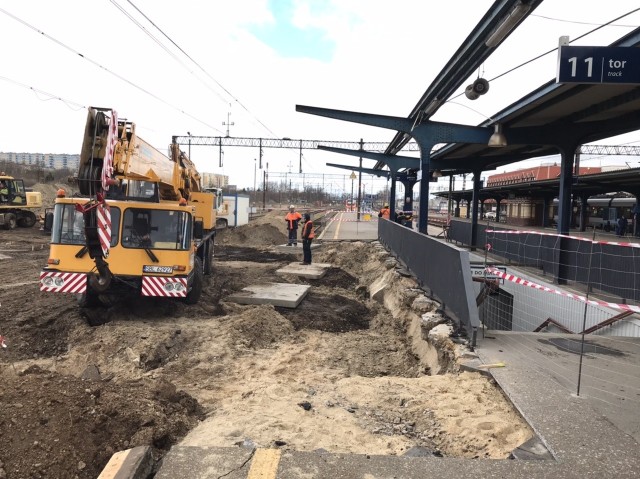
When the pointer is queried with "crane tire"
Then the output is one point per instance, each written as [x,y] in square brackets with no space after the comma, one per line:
[208,258]
[193,296]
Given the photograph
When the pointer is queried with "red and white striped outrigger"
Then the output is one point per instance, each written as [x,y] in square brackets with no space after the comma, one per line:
[58,282]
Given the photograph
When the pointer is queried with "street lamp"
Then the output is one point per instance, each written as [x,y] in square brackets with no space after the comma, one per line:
[353,177]
[364,193]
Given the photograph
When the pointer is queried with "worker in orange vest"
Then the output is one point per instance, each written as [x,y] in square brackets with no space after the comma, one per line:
[385,212]
[307,237]
[292,219]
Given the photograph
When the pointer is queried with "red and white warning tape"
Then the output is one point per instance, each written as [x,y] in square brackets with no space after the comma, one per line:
[357,221]
[525,282]
[579,238]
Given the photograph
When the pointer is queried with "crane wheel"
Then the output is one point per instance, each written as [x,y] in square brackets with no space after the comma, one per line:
[208,258]
[196,284]
[88,299]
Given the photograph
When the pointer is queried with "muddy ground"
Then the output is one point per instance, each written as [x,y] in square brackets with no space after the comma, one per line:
[341,373]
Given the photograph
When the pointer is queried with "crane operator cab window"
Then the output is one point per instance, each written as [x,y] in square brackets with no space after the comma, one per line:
[140,190]
[68,225]
[157,229]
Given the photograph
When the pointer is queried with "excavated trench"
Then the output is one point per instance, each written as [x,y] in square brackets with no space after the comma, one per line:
[367,351]
[365,364]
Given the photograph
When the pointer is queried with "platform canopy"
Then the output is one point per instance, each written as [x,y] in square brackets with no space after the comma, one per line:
[549,116]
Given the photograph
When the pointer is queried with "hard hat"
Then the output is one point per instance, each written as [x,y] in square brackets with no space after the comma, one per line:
[292,207]
[386,206]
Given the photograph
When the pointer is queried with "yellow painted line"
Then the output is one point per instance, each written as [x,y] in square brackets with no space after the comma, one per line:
[326,228]
[494,365]
[335,236]
[264,464]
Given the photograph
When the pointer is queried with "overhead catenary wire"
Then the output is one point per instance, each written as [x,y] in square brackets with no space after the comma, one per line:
[600,26]
[577,22]
[195,63]
[161,45]
[102,67]
[68,103]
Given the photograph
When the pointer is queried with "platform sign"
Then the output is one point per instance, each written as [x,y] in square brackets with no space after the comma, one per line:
[598,65]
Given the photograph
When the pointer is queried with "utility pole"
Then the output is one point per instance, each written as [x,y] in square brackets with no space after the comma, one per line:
[265,176]
[353,177]
[359,182]
[255,170]
[228,124]
[364,192]
[189,133]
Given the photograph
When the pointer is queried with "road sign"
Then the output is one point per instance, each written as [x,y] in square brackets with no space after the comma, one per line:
[598,65]
[477,271]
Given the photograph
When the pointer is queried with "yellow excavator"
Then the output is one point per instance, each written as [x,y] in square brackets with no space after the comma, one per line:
[17,204]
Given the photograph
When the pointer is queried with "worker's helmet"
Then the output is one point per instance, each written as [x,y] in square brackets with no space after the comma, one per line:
[292,207]
[386,206]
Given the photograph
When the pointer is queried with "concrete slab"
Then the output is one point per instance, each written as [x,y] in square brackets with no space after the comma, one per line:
[311,271]
[135,463]
[278,294]
[284,248]
[205,463]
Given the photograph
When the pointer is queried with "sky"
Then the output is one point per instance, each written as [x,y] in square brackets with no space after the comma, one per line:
[245,65]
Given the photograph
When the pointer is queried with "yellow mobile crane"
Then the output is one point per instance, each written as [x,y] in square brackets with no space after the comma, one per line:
[141,223]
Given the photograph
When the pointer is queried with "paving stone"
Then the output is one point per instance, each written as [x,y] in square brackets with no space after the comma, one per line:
[285,295]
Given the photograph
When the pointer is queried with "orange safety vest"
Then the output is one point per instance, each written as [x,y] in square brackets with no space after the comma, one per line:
[307,230]
[385,212]
[293,219]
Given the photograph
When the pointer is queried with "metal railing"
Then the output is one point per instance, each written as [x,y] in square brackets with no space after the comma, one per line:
[442,269]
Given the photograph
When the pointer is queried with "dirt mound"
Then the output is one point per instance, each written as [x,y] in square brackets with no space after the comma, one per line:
[336,278]
[62,426]
[252,235]
[358,258]
[260,327]
[49,191]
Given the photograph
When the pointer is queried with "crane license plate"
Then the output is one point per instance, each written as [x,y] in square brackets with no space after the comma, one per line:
[157,269]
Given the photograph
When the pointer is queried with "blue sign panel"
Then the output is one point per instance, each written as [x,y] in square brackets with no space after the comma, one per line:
[598,65]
